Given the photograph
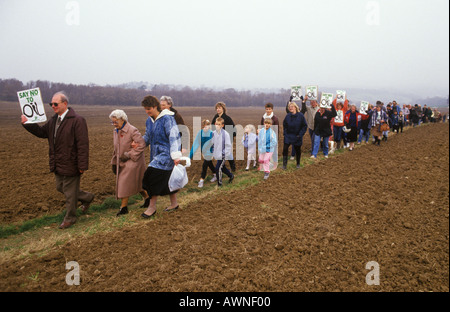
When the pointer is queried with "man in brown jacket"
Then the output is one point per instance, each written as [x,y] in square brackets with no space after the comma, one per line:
[68,152]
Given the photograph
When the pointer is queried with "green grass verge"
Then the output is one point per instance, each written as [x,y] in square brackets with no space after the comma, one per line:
[48,220]
[243,179]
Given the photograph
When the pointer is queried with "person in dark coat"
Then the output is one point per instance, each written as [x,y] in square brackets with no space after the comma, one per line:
[302,110]
[414,115]
[322,129]
[294,128]
[68,142]
[270,114]
[352,120]
[166,102]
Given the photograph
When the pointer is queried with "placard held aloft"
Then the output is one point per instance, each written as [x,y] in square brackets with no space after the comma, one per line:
[326,100]
[312,92]
[364,107]
[341,96]
[31,105]
[296,93]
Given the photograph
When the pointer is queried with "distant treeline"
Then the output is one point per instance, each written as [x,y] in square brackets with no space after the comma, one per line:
[434,101]
[122,96]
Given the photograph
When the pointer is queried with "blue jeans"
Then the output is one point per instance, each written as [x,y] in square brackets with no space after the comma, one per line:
[362,135]
[337,133]
[317,145]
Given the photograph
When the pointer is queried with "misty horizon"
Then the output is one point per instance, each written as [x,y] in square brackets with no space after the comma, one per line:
[131,93]
[401,46]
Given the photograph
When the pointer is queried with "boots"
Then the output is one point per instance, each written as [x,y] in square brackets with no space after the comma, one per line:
[122,211]
[285,160]
[338,145]
[377,141]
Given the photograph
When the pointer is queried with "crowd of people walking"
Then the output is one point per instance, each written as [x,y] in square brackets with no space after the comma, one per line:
[341,125]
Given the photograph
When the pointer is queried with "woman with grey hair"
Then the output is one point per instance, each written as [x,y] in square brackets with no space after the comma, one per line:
[166,102]
[352,120]
[128,163]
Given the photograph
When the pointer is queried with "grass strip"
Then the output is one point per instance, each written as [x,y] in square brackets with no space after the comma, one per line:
[242,180]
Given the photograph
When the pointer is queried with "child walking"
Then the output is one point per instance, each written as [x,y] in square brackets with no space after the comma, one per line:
[267,143]
[401,121]
[249,141]
[397,122]
[204,141]
[222,150]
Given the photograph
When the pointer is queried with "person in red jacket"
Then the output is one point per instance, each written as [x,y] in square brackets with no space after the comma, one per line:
[68,142]
[351,121]
[338,123]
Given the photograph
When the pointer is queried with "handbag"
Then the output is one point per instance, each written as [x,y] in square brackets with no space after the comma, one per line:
[179,178]
[384,127]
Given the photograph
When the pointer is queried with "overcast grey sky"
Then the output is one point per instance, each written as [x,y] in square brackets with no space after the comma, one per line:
[242,44]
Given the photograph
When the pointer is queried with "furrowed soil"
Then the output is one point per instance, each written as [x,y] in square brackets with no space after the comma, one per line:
[311,229]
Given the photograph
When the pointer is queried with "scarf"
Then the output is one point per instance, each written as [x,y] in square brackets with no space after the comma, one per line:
[124,123]
[267,116]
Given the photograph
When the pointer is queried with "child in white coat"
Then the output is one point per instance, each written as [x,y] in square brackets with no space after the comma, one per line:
[249,141]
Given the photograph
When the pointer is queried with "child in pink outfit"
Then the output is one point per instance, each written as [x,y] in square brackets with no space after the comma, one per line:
[267,143]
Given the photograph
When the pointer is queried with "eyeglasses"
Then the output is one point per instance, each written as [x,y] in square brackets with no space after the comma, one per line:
[53,104]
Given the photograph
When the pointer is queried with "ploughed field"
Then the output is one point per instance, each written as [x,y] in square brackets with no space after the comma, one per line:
[27,187]
[312,229]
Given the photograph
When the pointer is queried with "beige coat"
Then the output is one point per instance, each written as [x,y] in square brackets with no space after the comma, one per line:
[130,173]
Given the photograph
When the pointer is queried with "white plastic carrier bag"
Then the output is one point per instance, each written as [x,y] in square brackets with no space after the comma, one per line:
[178,177]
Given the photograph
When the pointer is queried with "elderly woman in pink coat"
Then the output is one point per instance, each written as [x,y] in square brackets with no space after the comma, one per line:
[128,163]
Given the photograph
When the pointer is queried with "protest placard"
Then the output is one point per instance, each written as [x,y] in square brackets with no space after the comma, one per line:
[340,96]
[339,119]
[312,92]
[296,93]
[326,100]
[364,107]
[31,105]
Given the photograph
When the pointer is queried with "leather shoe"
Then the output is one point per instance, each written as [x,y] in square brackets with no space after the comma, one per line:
[146,203]
[146,216]
[85,206]
[171,209]
[66,224]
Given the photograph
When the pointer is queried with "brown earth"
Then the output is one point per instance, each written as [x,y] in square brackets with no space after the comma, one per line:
[27,188]
[312,229]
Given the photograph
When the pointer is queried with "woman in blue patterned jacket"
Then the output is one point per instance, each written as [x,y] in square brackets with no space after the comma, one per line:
[162,135]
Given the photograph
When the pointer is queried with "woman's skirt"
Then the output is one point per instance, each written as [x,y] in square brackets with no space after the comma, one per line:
[156,182]
[352,136]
